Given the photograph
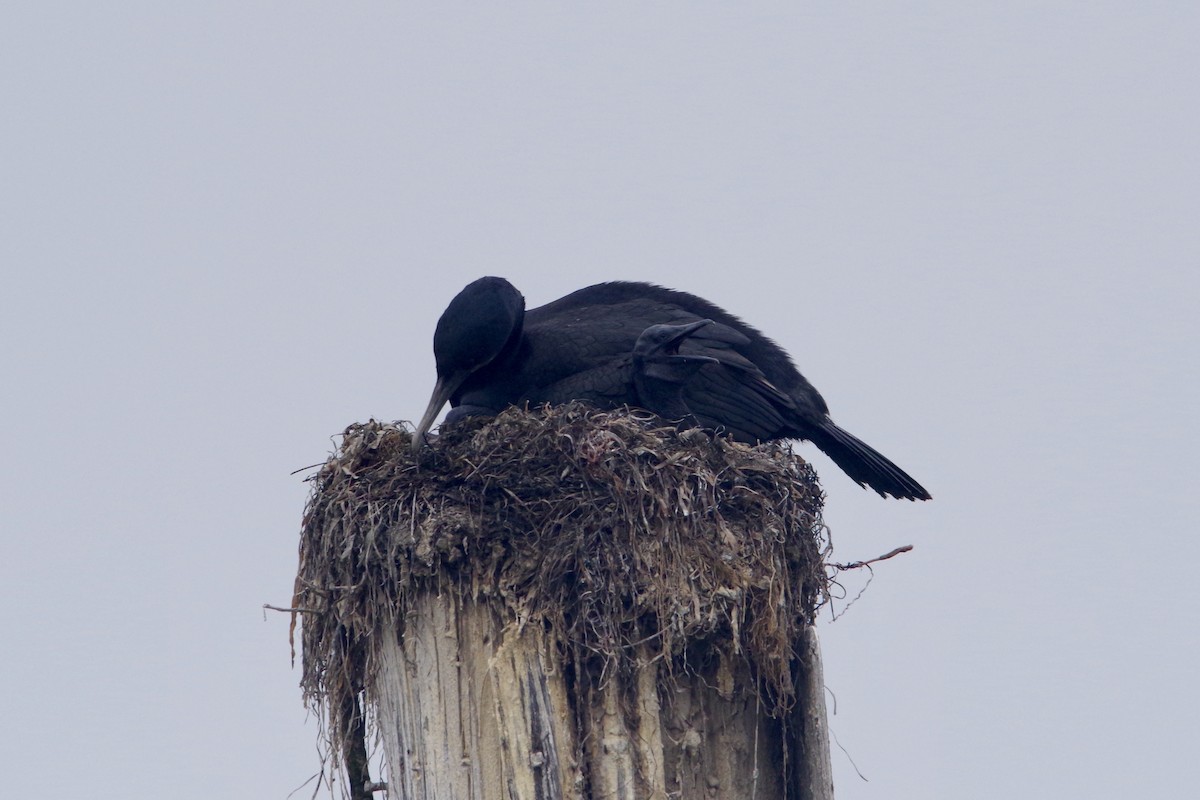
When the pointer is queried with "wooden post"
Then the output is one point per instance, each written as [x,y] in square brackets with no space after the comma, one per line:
[623,646]
[469,706]
[469,709]
[812,754]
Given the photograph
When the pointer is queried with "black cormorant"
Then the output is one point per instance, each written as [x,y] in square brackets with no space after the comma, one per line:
[491,353]
[660,371]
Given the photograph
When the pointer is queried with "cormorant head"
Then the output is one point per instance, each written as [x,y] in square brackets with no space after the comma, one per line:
[473,331]
[660,370]
[656,353]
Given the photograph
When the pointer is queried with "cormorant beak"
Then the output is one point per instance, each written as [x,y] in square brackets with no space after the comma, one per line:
[666,361]
[687,330]
[442,390]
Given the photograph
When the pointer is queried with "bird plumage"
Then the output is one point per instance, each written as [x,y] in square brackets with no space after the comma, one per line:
[491,354]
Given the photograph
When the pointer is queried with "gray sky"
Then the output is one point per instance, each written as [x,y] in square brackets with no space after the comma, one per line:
[229,229]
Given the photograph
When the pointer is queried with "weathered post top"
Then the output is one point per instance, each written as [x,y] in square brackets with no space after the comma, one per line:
[566,603]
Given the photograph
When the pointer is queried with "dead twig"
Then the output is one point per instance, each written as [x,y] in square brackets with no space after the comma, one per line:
[884,557]
[290,610]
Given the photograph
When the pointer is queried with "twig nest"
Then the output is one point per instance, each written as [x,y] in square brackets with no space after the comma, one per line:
[608,528]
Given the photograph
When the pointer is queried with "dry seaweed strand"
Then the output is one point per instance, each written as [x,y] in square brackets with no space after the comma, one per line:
[612,531]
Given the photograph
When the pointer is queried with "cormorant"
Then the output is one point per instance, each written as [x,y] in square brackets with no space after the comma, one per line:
[660,371]
[491,353]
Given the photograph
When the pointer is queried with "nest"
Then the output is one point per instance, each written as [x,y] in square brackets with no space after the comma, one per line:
[607,528]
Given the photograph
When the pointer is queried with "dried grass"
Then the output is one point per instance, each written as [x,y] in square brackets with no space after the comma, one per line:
[604,527]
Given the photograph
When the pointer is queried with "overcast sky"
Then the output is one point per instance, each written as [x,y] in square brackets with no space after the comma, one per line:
[229,229]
